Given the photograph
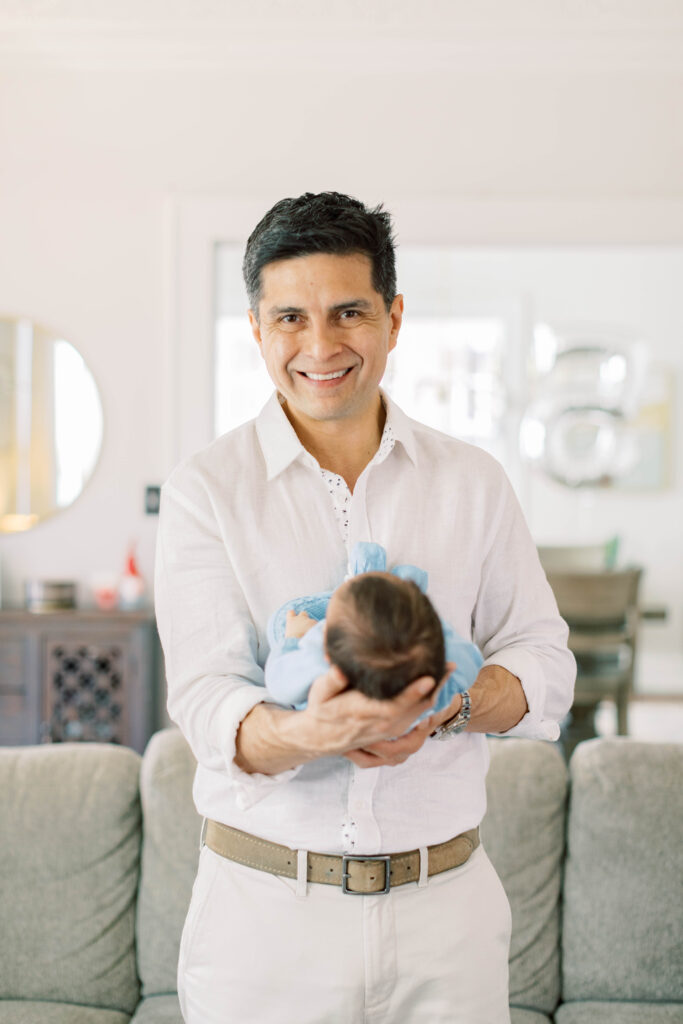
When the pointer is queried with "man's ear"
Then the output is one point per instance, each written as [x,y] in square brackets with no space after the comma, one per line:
[396,316]
[255,328]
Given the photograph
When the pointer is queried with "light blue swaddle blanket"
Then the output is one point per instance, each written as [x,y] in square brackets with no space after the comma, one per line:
[294,664]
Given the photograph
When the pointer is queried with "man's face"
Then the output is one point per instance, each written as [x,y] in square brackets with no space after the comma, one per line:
[325,334]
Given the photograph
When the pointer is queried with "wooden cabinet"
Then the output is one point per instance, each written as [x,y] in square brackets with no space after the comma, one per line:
[78,676]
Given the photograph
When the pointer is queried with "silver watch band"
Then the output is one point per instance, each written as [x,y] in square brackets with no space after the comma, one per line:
[455,725]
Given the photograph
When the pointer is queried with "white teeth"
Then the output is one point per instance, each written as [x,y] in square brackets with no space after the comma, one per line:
[325,376]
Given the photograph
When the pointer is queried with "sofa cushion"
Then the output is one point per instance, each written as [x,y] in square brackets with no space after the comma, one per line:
[620,1013]
[29,1011]
[623,897]
[523,832]
[158,1010]
[69,860]
[518,1016]
[170,853]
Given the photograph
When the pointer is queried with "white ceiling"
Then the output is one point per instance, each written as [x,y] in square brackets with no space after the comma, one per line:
[403,35]
[572,99]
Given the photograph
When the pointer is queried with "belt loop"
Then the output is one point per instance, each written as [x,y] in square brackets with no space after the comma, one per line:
[424,868]
[202,833]
[301,874]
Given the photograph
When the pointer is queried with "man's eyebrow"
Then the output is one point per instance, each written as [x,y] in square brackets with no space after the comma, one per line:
[278,310]
[351,303]
[338,306]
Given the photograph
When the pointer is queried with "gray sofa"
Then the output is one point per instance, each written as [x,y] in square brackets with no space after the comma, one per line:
[98,849]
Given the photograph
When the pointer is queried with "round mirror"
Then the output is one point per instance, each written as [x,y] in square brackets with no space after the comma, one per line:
[50,424]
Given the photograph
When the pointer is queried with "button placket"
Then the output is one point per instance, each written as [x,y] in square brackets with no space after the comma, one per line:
[340,496]
[360,810]
[359,525]
[349,834]
[359,830]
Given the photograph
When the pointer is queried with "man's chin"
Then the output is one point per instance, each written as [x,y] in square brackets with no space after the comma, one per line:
[324,410]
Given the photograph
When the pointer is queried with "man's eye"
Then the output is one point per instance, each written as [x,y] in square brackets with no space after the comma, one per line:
[349,314]
[289,318]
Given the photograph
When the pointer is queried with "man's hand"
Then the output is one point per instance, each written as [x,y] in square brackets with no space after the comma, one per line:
[343,721]
[498,703]
[391,752]
[396,751]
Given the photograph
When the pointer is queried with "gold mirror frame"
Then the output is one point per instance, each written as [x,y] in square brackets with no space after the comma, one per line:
[51,424]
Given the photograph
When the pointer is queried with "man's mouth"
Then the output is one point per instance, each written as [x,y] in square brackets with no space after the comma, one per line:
[334,375]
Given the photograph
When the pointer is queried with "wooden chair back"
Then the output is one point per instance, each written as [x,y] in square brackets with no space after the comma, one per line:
[595,598]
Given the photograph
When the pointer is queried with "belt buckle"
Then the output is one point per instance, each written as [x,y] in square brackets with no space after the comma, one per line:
[386,860]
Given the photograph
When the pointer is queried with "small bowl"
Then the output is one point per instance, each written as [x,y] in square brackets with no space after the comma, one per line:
[49,595]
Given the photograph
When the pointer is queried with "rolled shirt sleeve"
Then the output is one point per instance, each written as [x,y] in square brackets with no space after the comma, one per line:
[517,625]
[208,636]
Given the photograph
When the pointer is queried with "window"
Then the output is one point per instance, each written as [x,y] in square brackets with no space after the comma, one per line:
[451,369]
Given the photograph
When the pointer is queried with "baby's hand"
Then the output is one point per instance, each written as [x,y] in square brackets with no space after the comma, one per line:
[298,623]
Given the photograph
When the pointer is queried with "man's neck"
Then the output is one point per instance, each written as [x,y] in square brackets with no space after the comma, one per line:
[345,446]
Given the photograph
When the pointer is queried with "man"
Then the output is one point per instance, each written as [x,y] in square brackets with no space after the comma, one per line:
[297,799]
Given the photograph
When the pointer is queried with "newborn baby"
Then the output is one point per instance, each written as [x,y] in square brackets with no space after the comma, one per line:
[379,628]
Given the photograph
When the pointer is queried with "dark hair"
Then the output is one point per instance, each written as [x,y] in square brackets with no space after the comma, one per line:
[391,637]
[325,222]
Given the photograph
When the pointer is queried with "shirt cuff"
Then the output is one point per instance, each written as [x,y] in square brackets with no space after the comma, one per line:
[249,787]
[523,665]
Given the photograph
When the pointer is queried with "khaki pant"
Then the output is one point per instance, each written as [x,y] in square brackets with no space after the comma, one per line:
[253,951]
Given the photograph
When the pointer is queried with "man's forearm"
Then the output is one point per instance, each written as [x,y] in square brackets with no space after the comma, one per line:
[268,741]
[498,701]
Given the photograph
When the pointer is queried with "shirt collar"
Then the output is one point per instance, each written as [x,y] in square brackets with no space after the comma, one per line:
[401,426]
[277,437]
[281,446]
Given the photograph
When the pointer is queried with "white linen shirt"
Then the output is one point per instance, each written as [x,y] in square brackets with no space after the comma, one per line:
[248,523]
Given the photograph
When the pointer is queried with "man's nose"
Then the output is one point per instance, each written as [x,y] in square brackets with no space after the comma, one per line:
[322,340]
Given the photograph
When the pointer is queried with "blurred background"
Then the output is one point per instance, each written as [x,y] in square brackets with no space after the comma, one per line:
[531,153]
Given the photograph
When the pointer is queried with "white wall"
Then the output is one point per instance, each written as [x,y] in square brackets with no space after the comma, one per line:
[89,157]
[637,288]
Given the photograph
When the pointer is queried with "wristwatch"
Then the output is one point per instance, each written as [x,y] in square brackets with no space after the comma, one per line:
[454,725]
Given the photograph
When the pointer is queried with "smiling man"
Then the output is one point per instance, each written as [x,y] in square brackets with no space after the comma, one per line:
[341,878]
[325,334]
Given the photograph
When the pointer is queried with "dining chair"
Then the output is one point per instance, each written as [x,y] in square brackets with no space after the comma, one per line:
[601,610]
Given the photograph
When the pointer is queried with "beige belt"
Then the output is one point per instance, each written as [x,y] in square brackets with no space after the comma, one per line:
[356,875]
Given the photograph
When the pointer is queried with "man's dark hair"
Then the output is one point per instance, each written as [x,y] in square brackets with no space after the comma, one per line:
[390,636]
[327,222]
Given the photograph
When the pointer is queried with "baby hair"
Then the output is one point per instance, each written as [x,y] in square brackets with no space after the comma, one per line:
[389,636]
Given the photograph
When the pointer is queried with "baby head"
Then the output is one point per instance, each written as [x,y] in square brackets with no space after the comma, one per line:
[383,633]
